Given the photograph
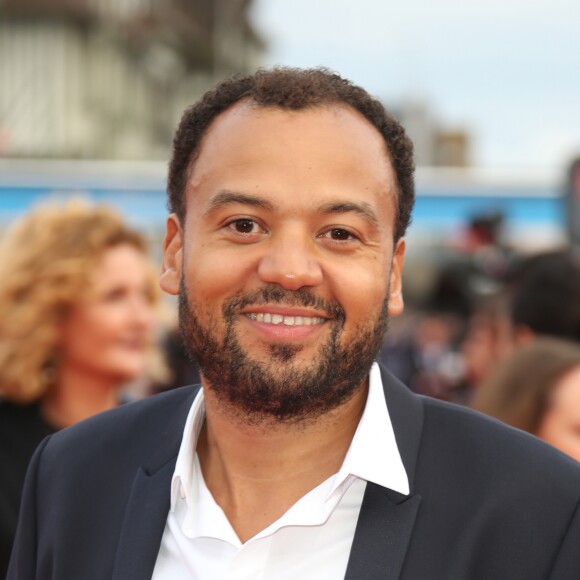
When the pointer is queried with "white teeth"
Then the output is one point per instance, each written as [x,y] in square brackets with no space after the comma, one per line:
[285,320]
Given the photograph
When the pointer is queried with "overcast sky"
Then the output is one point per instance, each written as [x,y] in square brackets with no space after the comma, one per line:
[507,70]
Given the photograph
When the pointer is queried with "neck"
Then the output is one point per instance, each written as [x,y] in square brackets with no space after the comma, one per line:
[78,395]
[257,472]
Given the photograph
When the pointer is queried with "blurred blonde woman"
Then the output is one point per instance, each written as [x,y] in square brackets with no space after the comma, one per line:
[76,317]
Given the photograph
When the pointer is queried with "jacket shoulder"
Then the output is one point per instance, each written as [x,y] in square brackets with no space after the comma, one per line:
[494,452]
[147,430]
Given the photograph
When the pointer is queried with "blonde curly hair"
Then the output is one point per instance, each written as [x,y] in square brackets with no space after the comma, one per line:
[46,259]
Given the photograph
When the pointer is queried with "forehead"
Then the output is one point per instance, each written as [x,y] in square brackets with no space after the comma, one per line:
[317,151]
[121,261]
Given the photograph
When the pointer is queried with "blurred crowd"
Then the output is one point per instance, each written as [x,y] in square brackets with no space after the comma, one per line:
[499,331]
[83,330]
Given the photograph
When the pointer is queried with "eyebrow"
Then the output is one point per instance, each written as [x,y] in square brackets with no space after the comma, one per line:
[363,209]
[225,197]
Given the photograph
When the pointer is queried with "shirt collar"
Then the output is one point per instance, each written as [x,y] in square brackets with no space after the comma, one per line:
[373,454]
[182,481]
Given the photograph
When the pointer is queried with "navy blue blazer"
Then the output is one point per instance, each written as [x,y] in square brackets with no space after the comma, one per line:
[487,502]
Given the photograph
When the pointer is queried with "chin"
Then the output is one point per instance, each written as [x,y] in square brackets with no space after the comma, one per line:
[126,373]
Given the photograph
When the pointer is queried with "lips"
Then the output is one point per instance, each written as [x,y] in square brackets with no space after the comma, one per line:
[279,319]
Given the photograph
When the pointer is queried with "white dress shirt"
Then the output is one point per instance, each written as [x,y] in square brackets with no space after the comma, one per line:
[310,541]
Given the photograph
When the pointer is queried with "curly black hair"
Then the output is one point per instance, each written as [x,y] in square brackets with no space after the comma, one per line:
[291,89]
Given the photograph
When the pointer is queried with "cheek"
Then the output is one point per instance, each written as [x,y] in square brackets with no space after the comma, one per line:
[361,289]
[86,339]
[553,429]
[366,281]
[93,328]
[211,275]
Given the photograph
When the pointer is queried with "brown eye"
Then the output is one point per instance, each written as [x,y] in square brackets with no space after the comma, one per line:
[339,234]
[244,226]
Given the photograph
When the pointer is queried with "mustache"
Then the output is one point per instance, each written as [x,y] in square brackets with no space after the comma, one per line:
[273,294]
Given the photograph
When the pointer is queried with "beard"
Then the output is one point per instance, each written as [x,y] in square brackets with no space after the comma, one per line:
[280,387]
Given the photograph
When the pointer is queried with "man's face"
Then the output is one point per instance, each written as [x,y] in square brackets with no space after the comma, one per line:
[285,262]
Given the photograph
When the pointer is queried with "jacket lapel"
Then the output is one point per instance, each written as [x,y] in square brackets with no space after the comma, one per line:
[149,500]
[386,519]
[382,535]
[143,524]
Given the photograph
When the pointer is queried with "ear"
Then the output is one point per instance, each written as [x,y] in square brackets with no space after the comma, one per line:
[396,305]
[170,278]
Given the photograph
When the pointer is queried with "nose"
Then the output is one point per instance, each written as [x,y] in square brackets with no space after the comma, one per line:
[290,261]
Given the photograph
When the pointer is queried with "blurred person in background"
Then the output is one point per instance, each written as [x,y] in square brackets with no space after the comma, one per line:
[537,389]
[76,316]
[432,356]
[539,298]
[542,296]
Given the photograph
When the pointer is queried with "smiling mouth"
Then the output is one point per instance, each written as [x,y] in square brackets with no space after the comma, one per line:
[278,319]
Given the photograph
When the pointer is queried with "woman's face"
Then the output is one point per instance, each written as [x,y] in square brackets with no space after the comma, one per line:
[107,332]
[560,425]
